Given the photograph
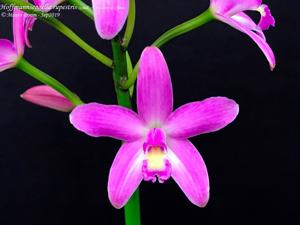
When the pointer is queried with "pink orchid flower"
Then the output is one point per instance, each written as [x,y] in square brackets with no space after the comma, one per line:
[110,17]
[232,13]
[10,53]
[47,5]
[46,96]
[156,139]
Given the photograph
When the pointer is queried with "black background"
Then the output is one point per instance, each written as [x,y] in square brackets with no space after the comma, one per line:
[52,174]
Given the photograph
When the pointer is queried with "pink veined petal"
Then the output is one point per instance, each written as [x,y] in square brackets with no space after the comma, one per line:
[202,117]
[114,121]
[47,5]
[231,7]
[29,23]
[262,44]
[126,173]
[8,55]
[19,30]
[46,96]
[189,171]
[110,16]
[266,19]
[244,19]
[154,87]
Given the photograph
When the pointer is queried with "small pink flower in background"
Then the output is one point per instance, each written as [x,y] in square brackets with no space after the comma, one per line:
[10,52]
[156,145]
[110,17]
[46,96]
[47,5]
[232,13]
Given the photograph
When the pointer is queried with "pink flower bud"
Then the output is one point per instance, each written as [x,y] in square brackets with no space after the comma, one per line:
[110,16]
[46,96]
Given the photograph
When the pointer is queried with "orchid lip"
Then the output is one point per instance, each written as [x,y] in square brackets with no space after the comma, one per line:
[156,165]
[162,174]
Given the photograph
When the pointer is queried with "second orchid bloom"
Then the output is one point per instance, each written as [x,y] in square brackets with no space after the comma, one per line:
[156,144]
[233,13]
[11,52]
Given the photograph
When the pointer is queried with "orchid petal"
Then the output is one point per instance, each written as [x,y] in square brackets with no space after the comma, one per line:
[8,55]
[189,171]
[29,23]
[266,19]
[125,173]
[262,44]
[47,5]
[231,7]
[244,19]
[202,117]
[46,96]
[110,16]
[99,120]
[19,30]
[154,87]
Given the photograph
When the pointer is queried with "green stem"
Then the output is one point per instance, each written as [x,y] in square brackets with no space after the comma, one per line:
[185,27]
[39,75]
[84,8]
[120,73]
[179,30]
[74,37]
[132,208]
[31,9]
[130,24]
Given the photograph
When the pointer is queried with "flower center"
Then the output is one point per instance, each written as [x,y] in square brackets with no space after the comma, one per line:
[156,165]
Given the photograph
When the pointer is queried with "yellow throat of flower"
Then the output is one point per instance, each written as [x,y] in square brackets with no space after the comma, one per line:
[156,159]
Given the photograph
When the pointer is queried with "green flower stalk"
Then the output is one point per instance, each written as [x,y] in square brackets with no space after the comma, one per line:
[177,31]
[46,79]
[121,59]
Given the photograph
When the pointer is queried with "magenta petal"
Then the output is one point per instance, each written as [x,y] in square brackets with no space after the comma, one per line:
[231,7]
[262,44]
[189,171]
[154,87]
[247,21]
[197,118]
[29,23]
[46,96]
[125,173]
[99,120]
[47,5]
[8,55]
[110,16]
[266,19]
[19,30]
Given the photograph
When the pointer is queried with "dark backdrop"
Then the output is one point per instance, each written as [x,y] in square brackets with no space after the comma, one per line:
[52,174]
